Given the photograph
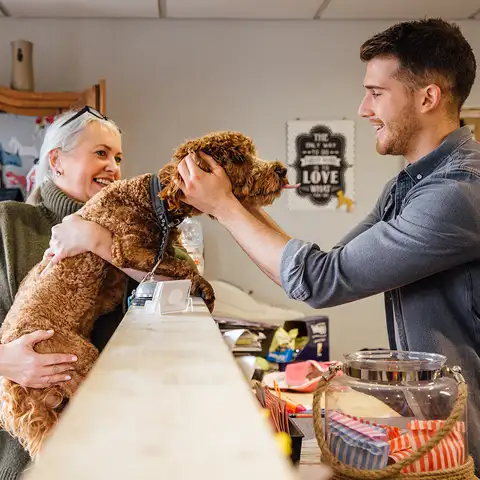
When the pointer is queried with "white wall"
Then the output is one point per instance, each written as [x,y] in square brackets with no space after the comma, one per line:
[167,81]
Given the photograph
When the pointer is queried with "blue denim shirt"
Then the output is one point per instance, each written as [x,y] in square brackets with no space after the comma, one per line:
[421,247]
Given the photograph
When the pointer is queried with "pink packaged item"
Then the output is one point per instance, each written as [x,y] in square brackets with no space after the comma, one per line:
[304,376]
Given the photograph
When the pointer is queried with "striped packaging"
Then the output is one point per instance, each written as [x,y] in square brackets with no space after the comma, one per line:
[356,443]
[449,453]
[392,432]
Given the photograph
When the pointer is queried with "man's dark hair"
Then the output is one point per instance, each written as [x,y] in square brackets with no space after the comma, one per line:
[428,51]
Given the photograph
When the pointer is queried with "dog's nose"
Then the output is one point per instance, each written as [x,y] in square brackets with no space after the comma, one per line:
[280,171]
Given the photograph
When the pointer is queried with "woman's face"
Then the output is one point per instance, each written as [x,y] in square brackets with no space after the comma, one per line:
[91,165]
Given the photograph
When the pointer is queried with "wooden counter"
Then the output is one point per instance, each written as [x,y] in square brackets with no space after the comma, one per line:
[165,400]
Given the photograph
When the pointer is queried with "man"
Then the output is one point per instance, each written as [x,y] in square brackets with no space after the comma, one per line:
[421,243]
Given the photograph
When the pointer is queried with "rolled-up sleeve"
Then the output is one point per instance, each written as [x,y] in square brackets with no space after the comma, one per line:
[292,270]
[438,228]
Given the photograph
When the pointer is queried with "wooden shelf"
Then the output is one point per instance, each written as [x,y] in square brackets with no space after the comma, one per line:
[41,104]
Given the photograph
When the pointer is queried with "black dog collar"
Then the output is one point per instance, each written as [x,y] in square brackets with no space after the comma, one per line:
[161,211]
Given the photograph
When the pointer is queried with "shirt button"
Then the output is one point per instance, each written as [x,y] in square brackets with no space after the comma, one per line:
[419,176]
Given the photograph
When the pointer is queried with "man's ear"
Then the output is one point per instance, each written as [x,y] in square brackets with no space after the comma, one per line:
[431,98]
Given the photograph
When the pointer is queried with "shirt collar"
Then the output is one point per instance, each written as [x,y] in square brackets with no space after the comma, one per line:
[430,162]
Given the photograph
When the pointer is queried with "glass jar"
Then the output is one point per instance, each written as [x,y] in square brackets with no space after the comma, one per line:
[191,236]
[383,405]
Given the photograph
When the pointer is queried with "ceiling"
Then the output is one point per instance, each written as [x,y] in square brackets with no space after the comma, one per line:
[244,9]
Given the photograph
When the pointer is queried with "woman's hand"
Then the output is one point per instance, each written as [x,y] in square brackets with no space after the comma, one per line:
[74,236]
[20,363]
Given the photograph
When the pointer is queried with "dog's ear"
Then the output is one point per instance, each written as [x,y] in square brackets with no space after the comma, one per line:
[171,179]
[224,156]
[247,186]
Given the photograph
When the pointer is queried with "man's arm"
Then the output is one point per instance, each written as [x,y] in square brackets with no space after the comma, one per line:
[259,237]
[371,219]
[438,229]
[263,217]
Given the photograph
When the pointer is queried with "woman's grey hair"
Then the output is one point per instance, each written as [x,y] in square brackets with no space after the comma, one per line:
[65,138]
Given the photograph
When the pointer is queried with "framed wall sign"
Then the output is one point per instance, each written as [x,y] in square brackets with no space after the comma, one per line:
[320,156]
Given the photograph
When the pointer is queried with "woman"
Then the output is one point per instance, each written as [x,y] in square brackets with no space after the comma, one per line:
[81,153]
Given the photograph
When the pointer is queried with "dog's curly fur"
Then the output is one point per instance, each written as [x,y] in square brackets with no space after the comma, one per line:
[80,289]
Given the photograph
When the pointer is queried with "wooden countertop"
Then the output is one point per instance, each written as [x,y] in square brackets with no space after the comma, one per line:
[164,400]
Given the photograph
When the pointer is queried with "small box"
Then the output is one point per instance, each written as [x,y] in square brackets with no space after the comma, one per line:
[317,346]
[265,331]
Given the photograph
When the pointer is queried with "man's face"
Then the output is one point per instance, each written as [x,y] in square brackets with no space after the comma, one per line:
[389,107]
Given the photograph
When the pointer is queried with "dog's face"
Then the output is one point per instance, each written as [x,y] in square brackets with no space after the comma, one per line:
[269,179]
[253,180]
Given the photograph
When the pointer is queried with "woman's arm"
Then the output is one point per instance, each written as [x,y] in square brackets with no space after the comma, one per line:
[19,361]
[76,235]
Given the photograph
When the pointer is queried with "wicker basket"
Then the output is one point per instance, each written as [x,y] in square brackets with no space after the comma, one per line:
[346,472]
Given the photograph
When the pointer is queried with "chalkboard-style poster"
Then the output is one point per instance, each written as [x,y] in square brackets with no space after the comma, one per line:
[321,158]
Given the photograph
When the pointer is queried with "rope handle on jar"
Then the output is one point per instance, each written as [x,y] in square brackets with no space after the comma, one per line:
[328,457]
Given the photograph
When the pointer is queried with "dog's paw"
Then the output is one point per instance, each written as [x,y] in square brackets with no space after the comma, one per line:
[201,288]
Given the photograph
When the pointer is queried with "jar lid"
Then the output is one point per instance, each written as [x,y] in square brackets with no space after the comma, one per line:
[394,366]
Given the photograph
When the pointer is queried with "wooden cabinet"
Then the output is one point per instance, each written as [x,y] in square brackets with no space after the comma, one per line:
[40,104]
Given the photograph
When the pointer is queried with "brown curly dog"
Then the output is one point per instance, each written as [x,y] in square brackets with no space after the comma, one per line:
[141,213]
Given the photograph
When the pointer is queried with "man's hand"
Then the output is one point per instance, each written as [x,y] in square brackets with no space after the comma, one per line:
[260,238]
[209,192]
[20,363]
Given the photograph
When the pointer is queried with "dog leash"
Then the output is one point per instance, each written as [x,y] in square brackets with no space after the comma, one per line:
[163,222]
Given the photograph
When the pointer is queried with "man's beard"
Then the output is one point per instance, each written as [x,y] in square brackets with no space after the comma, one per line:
[400,133]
